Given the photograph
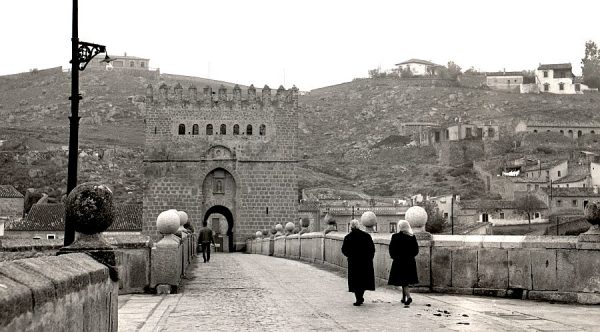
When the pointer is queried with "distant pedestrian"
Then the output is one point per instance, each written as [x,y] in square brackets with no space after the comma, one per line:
[403,249]
[205,237]
[359,248]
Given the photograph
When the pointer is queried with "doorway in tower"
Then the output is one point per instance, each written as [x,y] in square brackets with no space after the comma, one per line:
[219,206]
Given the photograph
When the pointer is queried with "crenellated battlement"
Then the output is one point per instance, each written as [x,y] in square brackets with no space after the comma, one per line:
[209,98]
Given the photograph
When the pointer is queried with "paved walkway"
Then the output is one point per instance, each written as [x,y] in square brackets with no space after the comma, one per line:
[242,292]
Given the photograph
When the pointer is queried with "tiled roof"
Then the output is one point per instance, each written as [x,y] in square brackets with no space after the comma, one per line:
[51,217]
[475,204]
[530,180]
[555,66]
[565,124]
[423,62]
[8,191]
[126,57]
[571,178]
[543,166]
[505,73]
[572,192]
[309,206]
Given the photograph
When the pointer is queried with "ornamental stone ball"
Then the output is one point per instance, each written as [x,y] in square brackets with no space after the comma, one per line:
[592,214]
[416,217]
[273,231]
[89,207]
[183,217]
[279,228]
[368,219]
[289,227]
[258,234]
[168,222]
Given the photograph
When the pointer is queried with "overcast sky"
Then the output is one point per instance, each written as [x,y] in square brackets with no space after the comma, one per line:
[309,43]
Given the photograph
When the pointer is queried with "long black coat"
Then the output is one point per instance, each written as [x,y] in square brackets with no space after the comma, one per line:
[360,250]
[403,249]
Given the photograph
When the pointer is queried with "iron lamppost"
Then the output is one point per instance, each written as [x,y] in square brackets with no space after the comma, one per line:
[81,55]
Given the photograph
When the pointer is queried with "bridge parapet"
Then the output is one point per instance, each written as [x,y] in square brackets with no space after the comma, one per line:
[553,268]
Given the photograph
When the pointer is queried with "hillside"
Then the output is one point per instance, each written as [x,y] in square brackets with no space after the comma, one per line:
[349,133]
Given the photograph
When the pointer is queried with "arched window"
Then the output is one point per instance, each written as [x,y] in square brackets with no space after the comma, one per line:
[181,129]
[195,129]
[218,189]
[236,129]
[570,133]
[209,129]
[131,64]
[223,130]
[142,64]
[579,133]
[262,130]
[154,130]
[249,130]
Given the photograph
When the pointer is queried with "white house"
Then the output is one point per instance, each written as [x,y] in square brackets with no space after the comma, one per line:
[558,78]
[420,67]
[504,80]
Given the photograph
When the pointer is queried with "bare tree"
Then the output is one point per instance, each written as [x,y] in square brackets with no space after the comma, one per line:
[529,205]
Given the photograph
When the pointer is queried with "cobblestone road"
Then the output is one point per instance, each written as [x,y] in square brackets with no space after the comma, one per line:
[241,292]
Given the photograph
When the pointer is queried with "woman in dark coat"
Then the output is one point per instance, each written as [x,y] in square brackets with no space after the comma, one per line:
[360,250]
[403,249]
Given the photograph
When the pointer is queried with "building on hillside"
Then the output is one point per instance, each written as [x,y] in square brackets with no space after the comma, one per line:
[312,211]
[121,62]
[557,78]
[595,174]
[387,216]
[571,130]
[47,221]
[570,198]
[427,133]
[420,67]
[446,204]
[504,80]
[497,212]
[553,170]
[573,181]
[222,156]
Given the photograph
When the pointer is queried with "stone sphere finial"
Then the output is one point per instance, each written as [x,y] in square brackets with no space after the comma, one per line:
[279,227]
[168,222]
[89,207]
[289,227]
[258,234]
[368,219]
[183,217]
[416,217]
[592,214]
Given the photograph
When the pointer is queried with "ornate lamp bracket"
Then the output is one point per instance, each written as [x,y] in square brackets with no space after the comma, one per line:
[87,51]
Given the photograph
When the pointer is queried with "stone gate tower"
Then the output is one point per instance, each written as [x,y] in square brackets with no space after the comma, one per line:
[221,154]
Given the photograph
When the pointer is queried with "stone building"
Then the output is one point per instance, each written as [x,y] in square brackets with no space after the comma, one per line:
[121,62]
[571,130]
[504,80]
[558,78]
[219,155]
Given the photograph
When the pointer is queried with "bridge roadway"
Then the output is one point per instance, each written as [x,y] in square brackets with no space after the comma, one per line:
[243,292]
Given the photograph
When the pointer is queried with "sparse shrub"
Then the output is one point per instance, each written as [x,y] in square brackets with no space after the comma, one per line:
[435,220]
[545,150]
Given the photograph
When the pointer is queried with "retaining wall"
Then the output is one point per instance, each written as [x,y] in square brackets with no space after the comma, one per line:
[554,268]
[59,293]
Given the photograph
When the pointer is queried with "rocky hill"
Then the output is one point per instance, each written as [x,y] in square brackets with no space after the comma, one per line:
[349,133]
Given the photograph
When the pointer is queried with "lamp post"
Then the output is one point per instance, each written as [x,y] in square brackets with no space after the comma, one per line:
[81,54]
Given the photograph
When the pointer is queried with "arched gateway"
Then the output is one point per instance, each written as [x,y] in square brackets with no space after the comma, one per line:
[239,181]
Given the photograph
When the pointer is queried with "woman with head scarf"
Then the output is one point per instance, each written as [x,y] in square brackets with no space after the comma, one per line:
[403,249]
[359,248]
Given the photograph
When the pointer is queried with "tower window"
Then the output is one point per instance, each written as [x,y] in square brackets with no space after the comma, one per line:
[249,130]
[223,129]
[236,129]
[195,129]
[181,129]
[262,130]
[209,129]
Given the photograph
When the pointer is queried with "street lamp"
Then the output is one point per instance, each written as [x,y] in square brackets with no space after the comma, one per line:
[81,54]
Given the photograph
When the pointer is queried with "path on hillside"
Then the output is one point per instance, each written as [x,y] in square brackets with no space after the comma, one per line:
[243,292]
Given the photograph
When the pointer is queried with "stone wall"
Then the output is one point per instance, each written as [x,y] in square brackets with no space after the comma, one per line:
[554,268]
[60,293]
